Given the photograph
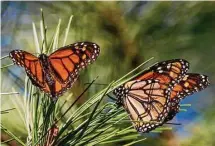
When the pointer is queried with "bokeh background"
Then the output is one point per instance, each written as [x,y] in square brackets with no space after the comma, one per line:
[128,33]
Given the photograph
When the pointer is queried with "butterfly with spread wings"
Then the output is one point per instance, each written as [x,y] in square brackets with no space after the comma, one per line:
[146,98]
[56,73]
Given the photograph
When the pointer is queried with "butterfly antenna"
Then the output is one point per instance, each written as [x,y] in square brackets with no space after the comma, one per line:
[173,123]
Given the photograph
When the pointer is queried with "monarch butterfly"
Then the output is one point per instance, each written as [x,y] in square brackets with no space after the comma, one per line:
[56,73]
[190,84]
[146,98]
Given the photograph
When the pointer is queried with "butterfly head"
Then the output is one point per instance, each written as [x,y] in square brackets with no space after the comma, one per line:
[43,56]
[44,59]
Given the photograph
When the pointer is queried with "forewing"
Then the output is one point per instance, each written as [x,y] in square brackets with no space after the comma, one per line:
[167,71]
[190,84]
[67,61]
[31,64]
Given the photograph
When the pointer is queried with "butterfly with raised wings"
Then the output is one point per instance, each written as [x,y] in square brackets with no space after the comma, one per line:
[152,98]
[56,73]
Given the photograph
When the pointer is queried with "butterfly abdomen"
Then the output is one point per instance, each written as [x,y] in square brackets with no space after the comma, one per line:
[47,73]
[45,66]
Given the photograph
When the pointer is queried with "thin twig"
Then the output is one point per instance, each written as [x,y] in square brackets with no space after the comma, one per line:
[7,66]
[9,93]
[4,57]
[8,110]
[12,135]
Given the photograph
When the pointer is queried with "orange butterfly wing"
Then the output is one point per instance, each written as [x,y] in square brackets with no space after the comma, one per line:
[168,71]
[190,84]
[31,64]
[32,67]
[66,62]
[146,97]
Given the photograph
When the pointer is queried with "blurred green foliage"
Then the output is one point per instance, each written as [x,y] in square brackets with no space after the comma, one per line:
[128,34]
[203,133]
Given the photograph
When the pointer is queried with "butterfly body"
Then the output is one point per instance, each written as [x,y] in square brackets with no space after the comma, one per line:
[47,73]
[56,73]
